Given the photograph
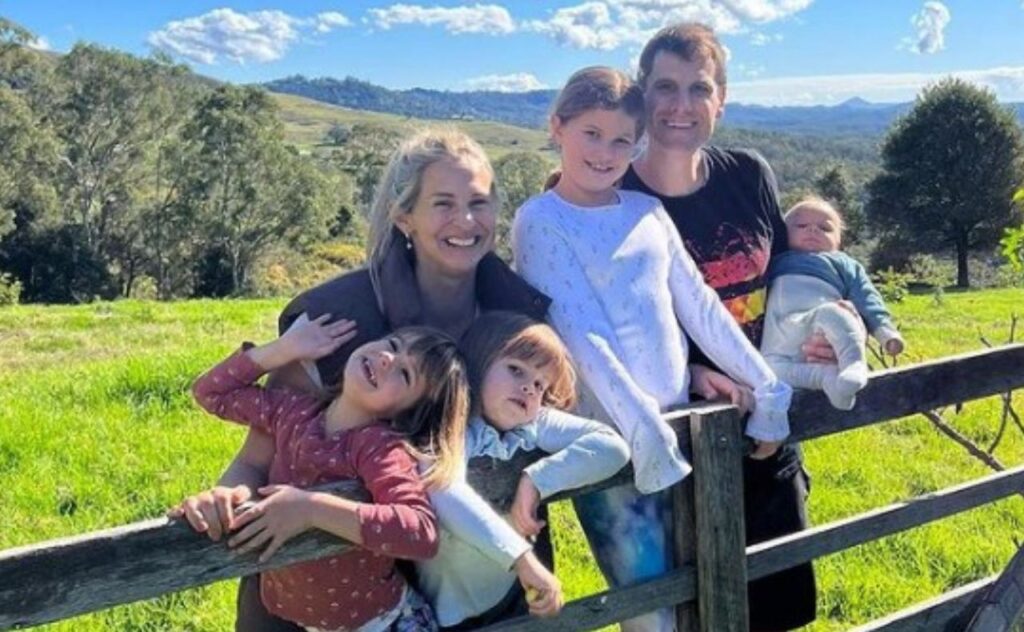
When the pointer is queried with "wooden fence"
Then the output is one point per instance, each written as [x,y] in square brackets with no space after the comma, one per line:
[63,578]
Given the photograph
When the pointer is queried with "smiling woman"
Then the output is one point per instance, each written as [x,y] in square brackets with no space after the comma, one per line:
[430,263]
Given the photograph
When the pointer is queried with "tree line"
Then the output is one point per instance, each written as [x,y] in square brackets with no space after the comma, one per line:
[118,172]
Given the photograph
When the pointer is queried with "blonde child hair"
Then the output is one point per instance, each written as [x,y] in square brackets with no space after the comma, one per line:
[819,204]
[435,426]
[498,334]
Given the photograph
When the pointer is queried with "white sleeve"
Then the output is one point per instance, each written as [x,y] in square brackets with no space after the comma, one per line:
[546,259]
[706,320]
[583,451]
[471,519]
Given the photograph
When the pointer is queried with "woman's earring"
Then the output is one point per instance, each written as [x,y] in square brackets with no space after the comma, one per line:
[408,241]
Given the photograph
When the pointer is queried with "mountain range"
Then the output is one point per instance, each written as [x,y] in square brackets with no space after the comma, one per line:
[854,117]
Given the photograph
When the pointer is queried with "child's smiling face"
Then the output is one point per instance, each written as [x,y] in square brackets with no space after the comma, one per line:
[382,378]
[512,391]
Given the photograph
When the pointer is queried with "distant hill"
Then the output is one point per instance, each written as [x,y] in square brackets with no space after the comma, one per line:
[854,117]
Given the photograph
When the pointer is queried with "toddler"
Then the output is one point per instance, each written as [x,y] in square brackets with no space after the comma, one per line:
[522,380]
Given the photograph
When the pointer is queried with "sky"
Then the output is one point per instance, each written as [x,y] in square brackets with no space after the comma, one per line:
[781,52]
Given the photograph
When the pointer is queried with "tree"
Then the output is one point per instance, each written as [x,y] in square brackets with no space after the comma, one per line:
[834,185]
[950,167]
[337,134]
[27,162]
[364,155]
[250,191]
[520,175]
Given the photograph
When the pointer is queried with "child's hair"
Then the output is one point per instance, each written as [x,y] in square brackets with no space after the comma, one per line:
[436,425]
[400,184]
[816,203]
[691,41]
[497,335]
[600,87]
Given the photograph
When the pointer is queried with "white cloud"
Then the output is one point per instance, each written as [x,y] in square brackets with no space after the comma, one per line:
[763,39]
[930,24]
[330,20]
[490,19]
[516,82]
[260,36]
[40,43]
[609,24]
[1006,82]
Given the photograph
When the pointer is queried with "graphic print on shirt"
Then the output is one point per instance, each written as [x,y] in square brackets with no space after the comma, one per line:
[734,263]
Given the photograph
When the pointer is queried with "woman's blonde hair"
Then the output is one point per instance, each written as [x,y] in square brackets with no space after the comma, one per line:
[498,334]
[600,87]
[435,426]
[400,185]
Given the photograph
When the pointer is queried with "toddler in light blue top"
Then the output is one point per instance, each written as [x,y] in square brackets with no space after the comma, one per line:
[806,284]
[522,380]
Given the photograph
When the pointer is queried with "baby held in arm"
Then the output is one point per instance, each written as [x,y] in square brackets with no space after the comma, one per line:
[404,402]
[807,283]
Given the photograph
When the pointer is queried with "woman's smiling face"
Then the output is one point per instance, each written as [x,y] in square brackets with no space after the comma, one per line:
[451,226]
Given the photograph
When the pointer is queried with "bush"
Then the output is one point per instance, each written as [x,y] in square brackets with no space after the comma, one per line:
[892,285]
[345,255]
[10,289]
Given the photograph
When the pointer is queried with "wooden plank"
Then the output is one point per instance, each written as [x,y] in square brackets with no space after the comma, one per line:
[63,578]
[774,555]
[899,392]
[717,441]
[609,607]
[946,613]
[684,546]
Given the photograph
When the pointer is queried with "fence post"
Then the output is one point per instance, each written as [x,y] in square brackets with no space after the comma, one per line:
[717,441]
[684,522]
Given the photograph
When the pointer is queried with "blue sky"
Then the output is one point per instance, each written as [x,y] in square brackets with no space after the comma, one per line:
[781,51]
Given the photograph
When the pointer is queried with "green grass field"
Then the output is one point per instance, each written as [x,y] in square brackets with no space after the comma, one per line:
[97,429]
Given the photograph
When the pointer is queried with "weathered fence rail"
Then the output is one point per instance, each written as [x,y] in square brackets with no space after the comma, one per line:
[63,578]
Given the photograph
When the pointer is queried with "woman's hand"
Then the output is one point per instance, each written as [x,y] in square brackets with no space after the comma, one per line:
[714,385]
[314,339]
[543,590]
[765,449]
[283,513]
[212,511]
[524,508]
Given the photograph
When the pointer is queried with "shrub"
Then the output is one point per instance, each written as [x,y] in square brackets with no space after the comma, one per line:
[10,289]
[892,284]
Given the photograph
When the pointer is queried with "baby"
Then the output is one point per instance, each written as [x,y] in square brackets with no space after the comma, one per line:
[807,282]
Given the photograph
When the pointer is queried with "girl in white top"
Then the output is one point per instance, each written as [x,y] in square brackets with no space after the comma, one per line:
[522,380]
[625,296]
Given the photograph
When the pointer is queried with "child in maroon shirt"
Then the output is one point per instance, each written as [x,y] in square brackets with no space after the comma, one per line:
[404,398]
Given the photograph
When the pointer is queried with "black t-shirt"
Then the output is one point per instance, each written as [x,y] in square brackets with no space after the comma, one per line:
[731,226]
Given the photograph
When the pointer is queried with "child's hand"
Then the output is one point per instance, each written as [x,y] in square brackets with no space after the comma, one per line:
[543,590]
[212,511]
[314,339]
[280,516]
[765,449]
[714,385]
[524,508]
[894,346]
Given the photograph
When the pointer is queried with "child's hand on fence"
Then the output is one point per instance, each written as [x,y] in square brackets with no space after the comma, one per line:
[714,385]
[314,339]
[271,522]
[212,511]
[543,590]
[524,508]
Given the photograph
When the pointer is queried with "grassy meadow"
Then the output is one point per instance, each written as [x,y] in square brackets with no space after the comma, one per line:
[97,429]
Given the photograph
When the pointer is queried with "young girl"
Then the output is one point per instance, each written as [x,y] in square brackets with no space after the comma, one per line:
[624,294]
[522,380]
[807,281]
[403,396]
